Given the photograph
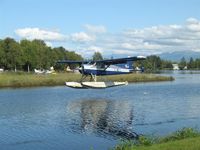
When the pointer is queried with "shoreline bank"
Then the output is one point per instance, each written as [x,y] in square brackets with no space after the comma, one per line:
[183,139]
[34,80]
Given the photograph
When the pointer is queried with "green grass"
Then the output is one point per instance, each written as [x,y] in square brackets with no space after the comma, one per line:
[140,78]
[21,79]
[184,139]
[28,80]
[185,144]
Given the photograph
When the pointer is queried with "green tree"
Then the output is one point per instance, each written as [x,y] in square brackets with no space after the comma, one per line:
[182,63]
[191,64]
[73,56]
[13,54]
[153,63]
[2,55]
[39,47]
[197,62]
[29,55]
[61,53]
[167,65]
[97,56]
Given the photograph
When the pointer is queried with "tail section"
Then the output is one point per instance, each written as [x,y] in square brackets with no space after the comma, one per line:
[127,65]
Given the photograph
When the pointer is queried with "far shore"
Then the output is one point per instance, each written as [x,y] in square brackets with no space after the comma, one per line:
[22,79]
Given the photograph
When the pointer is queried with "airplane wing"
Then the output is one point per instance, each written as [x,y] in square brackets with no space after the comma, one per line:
[120,60]
[72,62]
[106,61]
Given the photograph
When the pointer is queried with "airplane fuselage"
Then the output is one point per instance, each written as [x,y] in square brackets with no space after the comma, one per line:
[103,70]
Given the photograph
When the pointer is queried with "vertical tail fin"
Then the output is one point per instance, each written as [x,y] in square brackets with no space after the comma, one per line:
[127,65]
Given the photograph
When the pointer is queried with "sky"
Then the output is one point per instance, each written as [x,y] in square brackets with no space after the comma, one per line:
[112,27]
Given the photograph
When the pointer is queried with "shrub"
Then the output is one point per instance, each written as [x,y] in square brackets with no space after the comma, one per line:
[181,134]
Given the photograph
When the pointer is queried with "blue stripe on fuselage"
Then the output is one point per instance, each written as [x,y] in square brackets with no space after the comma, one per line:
[102,72]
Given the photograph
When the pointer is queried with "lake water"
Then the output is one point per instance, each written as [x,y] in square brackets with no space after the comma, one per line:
[81,119]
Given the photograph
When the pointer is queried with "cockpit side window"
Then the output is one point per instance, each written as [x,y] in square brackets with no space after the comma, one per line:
[100,65]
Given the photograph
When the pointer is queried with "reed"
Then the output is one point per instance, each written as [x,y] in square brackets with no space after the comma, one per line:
[140,78]
[22,79]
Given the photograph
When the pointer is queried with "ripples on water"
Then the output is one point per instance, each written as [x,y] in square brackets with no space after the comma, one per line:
[101,117]
[64,118]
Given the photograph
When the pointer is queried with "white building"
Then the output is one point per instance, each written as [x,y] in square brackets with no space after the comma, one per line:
[175,66]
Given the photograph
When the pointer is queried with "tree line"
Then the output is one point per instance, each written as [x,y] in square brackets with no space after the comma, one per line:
[154,63]
[191,64]
[27,55]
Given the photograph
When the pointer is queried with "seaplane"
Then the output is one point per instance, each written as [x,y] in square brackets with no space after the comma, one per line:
[39,71]
[101,68]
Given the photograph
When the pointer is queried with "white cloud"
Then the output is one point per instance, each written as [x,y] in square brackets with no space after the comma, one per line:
[49,44]
[123,52]
[82,37]
[143,45]
[144,41]
[164,38]
[95,29]
[36,33]
[89,51]
[192,21]
[148,40]
[89,35]
[95,49]
[193,24]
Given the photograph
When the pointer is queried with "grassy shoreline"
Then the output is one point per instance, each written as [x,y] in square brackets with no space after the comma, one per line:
[185,144]
[22,79]
[183,139]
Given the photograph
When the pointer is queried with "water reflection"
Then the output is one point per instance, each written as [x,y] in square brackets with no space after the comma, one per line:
[101,117]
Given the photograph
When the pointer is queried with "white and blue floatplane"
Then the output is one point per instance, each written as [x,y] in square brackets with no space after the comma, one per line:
[102,68]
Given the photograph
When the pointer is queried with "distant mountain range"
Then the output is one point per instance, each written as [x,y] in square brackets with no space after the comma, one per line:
[176,56]
[172,56]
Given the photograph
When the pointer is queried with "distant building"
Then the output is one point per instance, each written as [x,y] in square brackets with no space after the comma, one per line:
[68,69]
[175,67]
[185,68]
[137,69]
[1,69]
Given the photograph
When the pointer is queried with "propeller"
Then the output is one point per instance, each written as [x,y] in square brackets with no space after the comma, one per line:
[82,68]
